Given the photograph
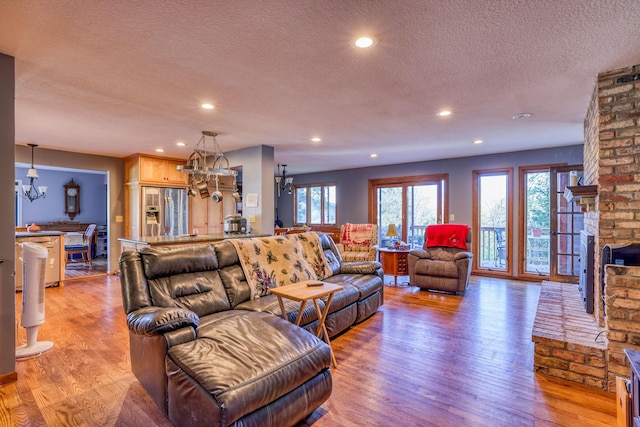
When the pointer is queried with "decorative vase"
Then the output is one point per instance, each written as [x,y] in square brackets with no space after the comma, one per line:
[33,228]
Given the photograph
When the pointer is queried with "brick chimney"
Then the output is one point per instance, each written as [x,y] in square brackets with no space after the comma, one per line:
[612,161]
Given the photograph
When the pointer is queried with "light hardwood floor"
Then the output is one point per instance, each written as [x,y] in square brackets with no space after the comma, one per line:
[424,359]
[75,270]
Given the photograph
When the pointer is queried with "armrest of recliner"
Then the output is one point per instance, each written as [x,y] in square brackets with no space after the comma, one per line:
[360,267]
[420,253]
[160,320]
[462,255]
[340,247]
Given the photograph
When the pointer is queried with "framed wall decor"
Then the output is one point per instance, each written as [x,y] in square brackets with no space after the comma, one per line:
[71,199]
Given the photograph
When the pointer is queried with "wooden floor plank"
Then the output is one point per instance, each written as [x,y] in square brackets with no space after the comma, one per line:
[424,359]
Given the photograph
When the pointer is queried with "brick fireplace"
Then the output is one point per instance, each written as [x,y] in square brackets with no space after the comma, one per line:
[612,162]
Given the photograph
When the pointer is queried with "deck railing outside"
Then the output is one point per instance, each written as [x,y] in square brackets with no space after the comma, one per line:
[493,251]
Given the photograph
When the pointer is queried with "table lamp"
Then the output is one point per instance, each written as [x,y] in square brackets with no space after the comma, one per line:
[392,233]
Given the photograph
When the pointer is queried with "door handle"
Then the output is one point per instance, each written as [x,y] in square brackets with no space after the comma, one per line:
[555,233]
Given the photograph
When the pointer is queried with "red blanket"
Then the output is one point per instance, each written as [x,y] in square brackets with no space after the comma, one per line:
[451,235]
[357,235]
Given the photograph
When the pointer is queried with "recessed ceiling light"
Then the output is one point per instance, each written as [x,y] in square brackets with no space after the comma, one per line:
[444,113]
[180,144]
[159,150]
[365,42]
[316,139]
[373,155]
[478,141]
[207,106]
[522,116]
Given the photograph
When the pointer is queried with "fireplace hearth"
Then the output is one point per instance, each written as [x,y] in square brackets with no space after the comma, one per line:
[568,343]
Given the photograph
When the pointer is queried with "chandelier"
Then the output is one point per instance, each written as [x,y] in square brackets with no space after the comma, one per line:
[203,166]
[283,182]
[30,191]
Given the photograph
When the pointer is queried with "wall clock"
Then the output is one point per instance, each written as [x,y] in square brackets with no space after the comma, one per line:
[71,199]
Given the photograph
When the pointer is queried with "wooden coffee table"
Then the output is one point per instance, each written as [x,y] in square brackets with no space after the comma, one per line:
[302,293]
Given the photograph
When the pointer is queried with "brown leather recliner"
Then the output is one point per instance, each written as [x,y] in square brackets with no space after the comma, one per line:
[444,263]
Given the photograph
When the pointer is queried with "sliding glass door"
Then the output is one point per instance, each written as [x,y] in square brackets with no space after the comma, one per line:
[535,222]
[566,222]
[403,207]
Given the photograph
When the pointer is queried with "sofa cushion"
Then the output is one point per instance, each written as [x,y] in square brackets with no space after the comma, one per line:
[246,361]
[360,267]
[442,254]
[331,253]
[366,284]
[352,255]
[185,277]
[436,268]
[168,261]
[347,295]
[270,304]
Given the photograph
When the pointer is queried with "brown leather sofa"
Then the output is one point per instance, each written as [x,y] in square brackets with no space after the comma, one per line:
[208,354]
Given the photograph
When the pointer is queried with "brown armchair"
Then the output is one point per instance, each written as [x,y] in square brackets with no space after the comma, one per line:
[358,242]
[444,263]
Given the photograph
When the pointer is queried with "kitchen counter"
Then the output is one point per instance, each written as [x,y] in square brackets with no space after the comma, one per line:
[20,234]
[136,243]
[54,266]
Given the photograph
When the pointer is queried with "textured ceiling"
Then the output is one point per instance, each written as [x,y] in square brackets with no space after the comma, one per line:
[118,77]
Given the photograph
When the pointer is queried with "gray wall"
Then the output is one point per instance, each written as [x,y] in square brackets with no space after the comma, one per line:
[7,230]
[353,184]
[257,178]
[93,196]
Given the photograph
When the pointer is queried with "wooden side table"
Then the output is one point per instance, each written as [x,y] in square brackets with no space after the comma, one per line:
[303,293]
[394,261]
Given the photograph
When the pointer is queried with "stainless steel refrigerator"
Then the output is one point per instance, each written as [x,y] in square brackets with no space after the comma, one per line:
[165,211]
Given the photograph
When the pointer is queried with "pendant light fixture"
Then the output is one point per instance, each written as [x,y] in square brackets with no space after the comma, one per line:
[30,191]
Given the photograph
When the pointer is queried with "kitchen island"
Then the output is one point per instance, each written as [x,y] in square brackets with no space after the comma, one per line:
[137,243]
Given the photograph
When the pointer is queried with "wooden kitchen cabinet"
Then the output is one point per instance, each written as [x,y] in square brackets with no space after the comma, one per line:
[155,170]
[147,171]
[207,216]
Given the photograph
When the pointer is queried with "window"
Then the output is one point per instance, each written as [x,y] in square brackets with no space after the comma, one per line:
[315,204]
